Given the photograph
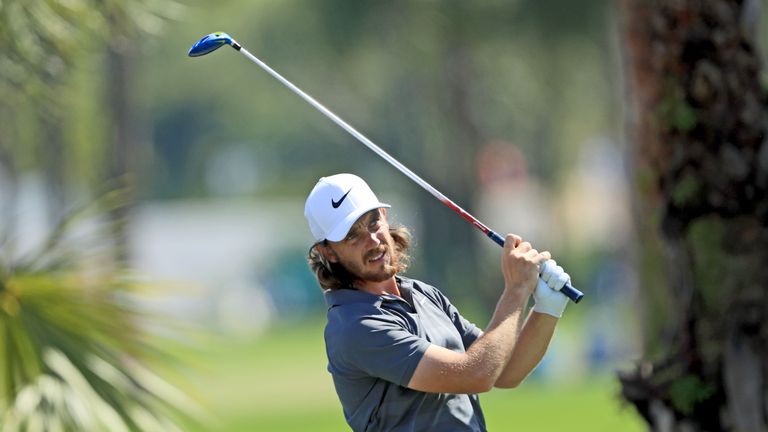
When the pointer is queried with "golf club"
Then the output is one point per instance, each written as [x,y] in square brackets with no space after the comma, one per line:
[216,40]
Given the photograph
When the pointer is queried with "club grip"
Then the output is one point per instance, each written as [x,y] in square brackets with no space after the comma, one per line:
[569,291]
[572,293]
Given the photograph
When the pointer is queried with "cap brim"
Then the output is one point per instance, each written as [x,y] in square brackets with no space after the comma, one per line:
[343,227]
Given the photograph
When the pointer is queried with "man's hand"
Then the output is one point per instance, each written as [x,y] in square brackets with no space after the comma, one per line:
[549,299]
[519,264]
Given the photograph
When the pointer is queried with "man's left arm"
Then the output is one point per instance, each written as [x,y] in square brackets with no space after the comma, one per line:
[539,327]
[533,343]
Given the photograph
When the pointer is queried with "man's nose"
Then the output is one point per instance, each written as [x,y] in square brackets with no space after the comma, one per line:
[373,239]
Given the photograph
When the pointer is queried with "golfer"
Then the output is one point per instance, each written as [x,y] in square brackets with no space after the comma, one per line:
[401,355]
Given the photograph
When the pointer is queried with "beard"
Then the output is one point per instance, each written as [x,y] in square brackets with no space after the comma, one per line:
[364,270]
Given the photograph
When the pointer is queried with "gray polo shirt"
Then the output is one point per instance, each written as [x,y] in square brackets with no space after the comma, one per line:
[374,344]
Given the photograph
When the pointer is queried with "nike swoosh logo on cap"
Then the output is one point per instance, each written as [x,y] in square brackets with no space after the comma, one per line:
[336,204]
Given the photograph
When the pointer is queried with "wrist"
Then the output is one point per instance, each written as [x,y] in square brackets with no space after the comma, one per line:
[516,293]
[544,316]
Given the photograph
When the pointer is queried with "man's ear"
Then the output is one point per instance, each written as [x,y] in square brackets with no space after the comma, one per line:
[327,252]
[384,215]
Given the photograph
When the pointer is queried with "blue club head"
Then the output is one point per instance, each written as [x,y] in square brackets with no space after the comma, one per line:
[209,43]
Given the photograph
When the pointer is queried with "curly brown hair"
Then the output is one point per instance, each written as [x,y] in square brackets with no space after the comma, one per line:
[333,276]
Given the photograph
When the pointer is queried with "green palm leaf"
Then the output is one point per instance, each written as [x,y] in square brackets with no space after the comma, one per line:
[72,346]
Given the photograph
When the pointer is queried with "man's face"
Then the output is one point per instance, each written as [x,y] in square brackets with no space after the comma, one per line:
[368,250]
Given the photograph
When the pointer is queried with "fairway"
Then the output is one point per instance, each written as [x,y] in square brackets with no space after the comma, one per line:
[278,382]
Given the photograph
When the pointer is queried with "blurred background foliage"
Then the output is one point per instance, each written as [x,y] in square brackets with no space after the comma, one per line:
[74,354]
[510,107]
[73,351]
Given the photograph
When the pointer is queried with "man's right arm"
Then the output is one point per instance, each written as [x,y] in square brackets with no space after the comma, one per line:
[441,370]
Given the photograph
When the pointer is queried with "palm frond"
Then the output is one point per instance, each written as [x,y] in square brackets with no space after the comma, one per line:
[71,346]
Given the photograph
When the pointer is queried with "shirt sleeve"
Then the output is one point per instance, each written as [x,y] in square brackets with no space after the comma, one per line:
[382,347]
[469,332]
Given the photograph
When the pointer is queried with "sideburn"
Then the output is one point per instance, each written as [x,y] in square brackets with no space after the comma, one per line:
[344,278]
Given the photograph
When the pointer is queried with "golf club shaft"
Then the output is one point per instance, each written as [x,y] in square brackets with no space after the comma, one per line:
[568,290]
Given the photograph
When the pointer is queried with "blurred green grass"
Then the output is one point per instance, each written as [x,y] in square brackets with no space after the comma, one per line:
[277,381]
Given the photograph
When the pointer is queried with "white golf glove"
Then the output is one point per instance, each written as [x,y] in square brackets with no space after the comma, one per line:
[547,296]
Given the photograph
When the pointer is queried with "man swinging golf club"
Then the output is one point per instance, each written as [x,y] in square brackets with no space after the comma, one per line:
[402,357]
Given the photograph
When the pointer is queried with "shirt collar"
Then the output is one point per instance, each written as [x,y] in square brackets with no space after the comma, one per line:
[345,296]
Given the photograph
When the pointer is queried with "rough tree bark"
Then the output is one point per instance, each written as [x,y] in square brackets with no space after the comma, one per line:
[698,125]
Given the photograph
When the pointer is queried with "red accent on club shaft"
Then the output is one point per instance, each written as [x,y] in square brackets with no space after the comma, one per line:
[463,213]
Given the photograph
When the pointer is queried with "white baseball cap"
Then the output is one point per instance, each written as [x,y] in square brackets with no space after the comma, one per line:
[335,204]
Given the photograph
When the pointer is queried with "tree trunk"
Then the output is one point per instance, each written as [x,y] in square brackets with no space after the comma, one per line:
[122,150]
[9,187]
[697,119]
[54,161]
